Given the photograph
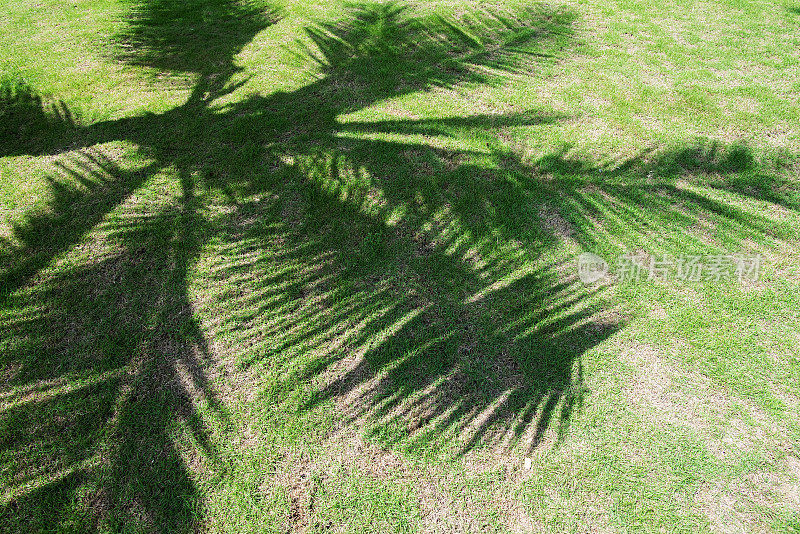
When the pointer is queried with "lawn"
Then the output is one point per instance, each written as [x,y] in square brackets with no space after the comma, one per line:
[313,266]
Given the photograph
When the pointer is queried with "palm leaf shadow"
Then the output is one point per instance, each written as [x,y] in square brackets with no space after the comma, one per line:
[31,123]
[136,330]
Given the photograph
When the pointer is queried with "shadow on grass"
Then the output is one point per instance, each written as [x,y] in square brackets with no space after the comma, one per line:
[84,188]
[200,36]
[29,123]
[620,206]
[408,284]
[408,338]
[103,359]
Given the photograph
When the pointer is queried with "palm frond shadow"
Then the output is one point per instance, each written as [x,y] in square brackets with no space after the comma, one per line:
[201,36]
[31,123]
[386,320]
[384,46]
[121,323]
[640,196]
[84,187]
[107,359]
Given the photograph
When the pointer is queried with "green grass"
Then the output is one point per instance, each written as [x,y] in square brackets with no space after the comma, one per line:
[310,267]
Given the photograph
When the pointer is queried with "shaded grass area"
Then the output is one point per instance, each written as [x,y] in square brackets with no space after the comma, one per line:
[201,36]
[28,122]
[95,353]
[416,283]
[83,190]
